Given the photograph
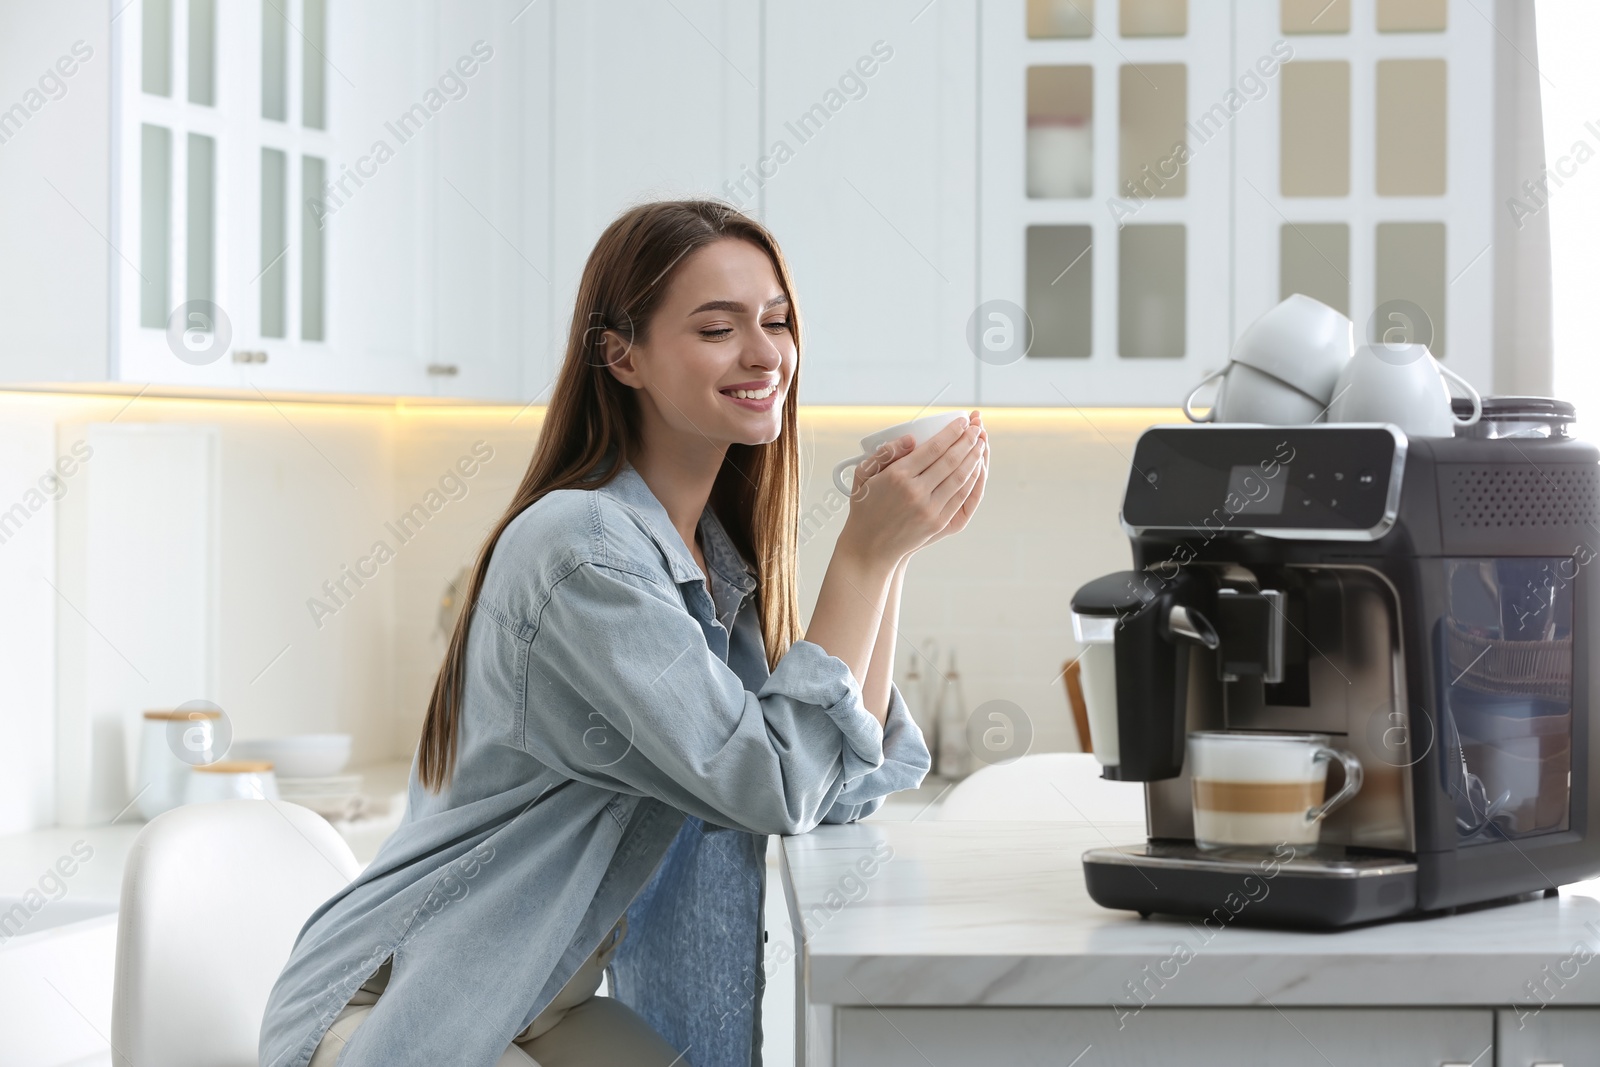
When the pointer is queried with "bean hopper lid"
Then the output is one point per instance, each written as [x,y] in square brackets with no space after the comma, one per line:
[1517,416]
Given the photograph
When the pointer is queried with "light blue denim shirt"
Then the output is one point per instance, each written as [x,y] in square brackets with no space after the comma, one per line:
[622,746]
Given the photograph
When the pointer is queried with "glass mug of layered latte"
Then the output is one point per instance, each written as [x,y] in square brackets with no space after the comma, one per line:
[1260,788]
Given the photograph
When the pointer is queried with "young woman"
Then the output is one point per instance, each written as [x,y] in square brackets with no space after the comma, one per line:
[627,707]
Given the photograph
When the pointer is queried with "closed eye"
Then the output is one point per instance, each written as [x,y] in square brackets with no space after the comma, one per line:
[719,332]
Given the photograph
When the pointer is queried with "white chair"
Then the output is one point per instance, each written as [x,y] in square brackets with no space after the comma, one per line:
[1044,786]
[213,896]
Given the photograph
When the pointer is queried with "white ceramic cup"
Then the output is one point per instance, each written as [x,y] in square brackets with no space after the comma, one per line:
[1284,366]
[1401,384]
[1257,788]
[1301,341]
[919,429]
[1250,395]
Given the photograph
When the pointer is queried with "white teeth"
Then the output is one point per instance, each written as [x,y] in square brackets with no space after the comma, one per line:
[749,394]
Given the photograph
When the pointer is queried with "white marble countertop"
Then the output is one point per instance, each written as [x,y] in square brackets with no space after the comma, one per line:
[969,913]
[94,855]
[27,860]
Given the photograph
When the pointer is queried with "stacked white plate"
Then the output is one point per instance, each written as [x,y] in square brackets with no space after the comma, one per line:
[336,796]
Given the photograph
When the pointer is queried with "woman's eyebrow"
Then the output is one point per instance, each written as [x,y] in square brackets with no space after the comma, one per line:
[736,307]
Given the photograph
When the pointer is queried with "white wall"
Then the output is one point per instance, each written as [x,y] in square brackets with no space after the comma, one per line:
[1569,91]
[27,623]
[429,444]
[303,489]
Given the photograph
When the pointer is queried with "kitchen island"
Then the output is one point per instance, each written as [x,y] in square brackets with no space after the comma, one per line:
[931,943]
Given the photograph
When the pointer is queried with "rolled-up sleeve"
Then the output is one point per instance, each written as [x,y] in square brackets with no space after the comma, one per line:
[622,690]
[906,761]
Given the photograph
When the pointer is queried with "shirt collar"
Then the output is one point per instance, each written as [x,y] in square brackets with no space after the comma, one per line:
[630,488]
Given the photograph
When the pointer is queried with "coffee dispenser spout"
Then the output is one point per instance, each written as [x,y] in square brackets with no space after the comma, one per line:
[1188,623]
[1137,629]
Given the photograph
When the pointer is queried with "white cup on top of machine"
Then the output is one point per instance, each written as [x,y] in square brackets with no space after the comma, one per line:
[1402,384]
[1265,789]
[919,429]
[1283,367]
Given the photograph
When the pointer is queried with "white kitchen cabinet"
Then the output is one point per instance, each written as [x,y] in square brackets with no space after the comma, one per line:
[867,175]
[347,184]
[56,268]
[968,942]
[652,101]
[57,980]
[1142,178]
[488,249]
[1532,1035]
[1204,1037]
[1345,150]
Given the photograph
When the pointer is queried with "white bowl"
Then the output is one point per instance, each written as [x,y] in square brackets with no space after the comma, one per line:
[299,756]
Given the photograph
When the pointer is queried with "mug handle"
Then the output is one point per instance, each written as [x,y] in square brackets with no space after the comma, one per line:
[839,472]
[1352,782]
[1477,401]
[1188,401]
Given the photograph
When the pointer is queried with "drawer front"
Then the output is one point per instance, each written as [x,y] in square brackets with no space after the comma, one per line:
[1552,1037]
[1172,1037]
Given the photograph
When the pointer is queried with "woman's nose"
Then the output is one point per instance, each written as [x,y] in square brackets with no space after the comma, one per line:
[763,353]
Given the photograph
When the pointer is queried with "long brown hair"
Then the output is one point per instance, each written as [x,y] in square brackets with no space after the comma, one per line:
[756,494]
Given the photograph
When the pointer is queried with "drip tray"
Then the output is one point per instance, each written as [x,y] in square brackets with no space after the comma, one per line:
[1310,887]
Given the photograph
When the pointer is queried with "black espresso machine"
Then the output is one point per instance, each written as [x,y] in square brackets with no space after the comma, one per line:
[1427,604]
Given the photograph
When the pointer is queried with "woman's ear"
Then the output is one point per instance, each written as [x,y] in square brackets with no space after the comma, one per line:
[619,355]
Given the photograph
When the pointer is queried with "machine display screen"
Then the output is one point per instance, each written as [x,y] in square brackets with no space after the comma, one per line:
[1329,480]
[1251,491]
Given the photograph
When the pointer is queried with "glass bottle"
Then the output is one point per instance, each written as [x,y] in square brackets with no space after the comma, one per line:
[953,757]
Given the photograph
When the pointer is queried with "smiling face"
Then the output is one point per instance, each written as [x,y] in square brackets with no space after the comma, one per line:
[718,358]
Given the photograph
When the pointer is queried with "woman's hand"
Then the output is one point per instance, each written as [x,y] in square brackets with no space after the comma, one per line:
[902,446]
[964,514]
[906,497]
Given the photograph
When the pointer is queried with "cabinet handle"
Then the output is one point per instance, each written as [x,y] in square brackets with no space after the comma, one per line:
[442,370]
[248,356]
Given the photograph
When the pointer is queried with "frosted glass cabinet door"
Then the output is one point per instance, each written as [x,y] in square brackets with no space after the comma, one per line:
[866,178]
[1105,212]
[1363,171]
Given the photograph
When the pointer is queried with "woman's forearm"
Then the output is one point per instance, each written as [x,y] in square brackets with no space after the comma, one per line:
[846,621]
[875,691]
